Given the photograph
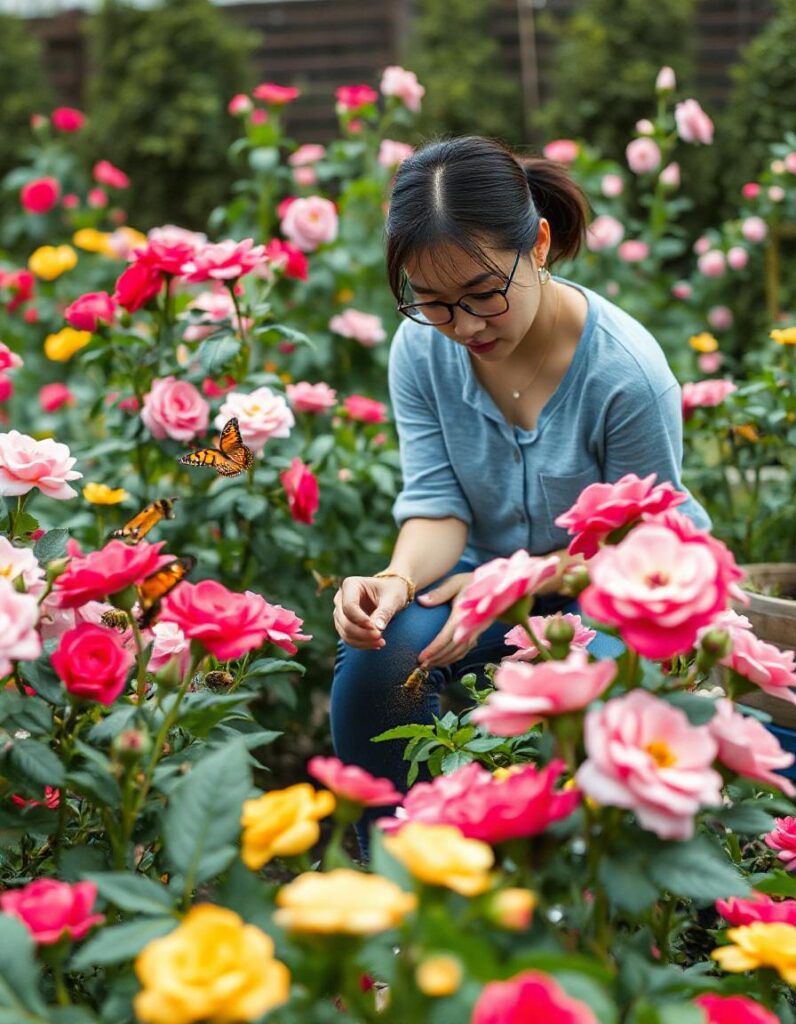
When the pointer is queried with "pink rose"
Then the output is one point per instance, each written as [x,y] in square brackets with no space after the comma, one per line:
[754,229]
[70,201]
[790,163]
[88,311]
[17,562]
[517,636]
[276,95]
[645,126]
[223,261]
[301,488]
[106,174]
[309,153]
[366,410]
[67,119]
[26,463]
[612,185]
[527,694]
[227,624]
[643,155]
[137,285]
[169,644]
[310,222]
[633,251]
[670,175]
[705,394]
[758,907]
[6,387]
[92,662]
[748,748]
[19,283]
[305,177]
[604,232]
[666,81]
[306,397]
[97,198]
[529,996]
[289,258]
[9,360]
[259,116]
[562,151]
[19,614]
[52,910]
[217,389]
[366,328]
[261,414]
[240,104]
[495,587]
[169,247]
[712,263]
[783,839]
[710,362]
[218,307]
[397,81]
[737,257]
[776,193]
[392,153]
[175,408]
[114,567]
[352,97]
[751,190]
[720,318]
[773,670]
[682,290]
[352,783]
[701,245]
[693,124]
[40,195]
[644,755]
[53,396]
[734,1010]
[602,508]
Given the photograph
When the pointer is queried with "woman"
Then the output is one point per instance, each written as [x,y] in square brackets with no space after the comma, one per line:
[512,391]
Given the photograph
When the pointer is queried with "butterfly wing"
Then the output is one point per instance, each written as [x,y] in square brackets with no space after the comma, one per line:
[212,457]
[232,446]
[154,587]
[143,521]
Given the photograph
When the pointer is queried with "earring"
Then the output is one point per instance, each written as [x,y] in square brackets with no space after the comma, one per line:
[544,274]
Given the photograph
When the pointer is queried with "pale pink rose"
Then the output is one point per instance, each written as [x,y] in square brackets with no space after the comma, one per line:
[693,124]
[633,251]
[670,175]
[783,839]
[349,782]
[97,198]
[643,155]
[754,229]
[9,360]
[392,153]
[26,463]
[526,694]
[53,396]
[19,614]
[344,474]
[261,414]
[107,174]
[223,261]
[776,193]
[529,996]
[397,81]
[720,318]
[169,643]
[240,104]
[366,328]
[737,257]
[705,393]
[666,81]
[218,306]
[602,508]
[710,362]
[682,290]
[497,585]
[758,907]
[790,163]
[306,397]
[605,232]
[364,409]
[527,649]
[53,910]
[748,748]
[17,562]
[175,408]
[305,177]
[612,185]
[310,222]
[751,190]
[712,263]
[645,127]
[114,567]
[773,670]
[309,153]
[701,245]
[644,755]
[563,151]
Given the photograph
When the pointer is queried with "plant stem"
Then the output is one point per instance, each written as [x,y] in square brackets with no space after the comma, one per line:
[540,647]
[140,688]
[14,516]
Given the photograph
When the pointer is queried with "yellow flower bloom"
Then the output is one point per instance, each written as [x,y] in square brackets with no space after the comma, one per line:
[62,345]
[760,945]
[344,295]
[213,967]
[785,336]
[50,261]
[439,975]
[282,823]
[92,240]
[101,494]
[342,902]
[703,342]
[441,855]
[513,908]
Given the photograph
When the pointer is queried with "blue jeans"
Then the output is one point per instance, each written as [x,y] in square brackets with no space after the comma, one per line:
[368,696]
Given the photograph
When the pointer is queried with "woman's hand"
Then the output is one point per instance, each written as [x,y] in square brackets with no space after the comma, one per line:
[442,650]
[364,605]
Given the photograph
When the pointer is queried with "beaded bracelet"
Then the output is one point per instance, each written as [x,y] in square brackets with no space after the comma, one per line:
[410,583]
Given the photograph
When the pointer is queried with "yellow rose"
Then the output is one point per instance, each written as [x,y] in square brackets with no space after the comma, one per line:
[441,855]
[101,494]
[283,823]
[92,240]
[342,902]
[513,908]
[703,342]
[760,945]
[213,968]
[786,336]
[439,975]
[50,261]
[344,295]
[62,345]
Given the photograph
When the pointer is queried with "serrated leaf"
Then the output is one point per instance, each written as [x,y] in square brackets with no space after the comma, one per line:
[135,893]
[19,991]
[120,942]
[52,545]
[28,713]
[454,760]
[42,677]
[217,352]
[34,762]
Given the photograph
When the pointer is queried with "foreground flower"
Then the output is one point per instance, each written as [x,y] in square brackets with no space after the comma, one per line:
[261,414]
[748,748]
[223,261]
[50,261]
[644,755]
[92,663]
[310,222]
[350,782]
[52,910]
[530,996]
[138,285]
[301,489]
[26,463]
[342,902]
[19,614]
[175,408]
[114,567]
[62,345]
[770,668]
[734,1010]
[288,258]
[518,637]
[101,494]
[441,855]
[783,839]
[315,398]
[282,823]
[213,967]
[760,945]
[18,562]
[758,908]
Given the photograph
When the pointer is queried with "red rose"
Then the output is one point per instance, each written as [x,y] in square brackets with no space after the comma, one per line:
[92,663]
[41,195]
[301,488]
[137,285]
[88,311]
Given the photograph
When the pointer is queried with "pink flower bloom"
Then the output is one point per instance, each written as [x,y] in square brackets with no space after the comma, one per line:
[633,251]
[52,910]
[137,285]
[310,222]
[720,318]
[9,360]
[602,508]
[710,362]
[612,185]
[790,163]
[352,97]
[526,694]
[529,996]
[366,328]
[392,154]
[26,463]
[19,614]
[644,755]
[276,95]
[262,414]
[301,488]
[40,195]
[645,126]
[773,670]
[397,81]
[783,838]
[259,116]
[754,229]
[366,410]
[350,782]
[562,151]
[643,155]
[97,198]
[305,177]
[217,389]
[517,637]
[53,396]
[67,119]
[701,245]
[114,567]
[776,193]
[604,232]
[6,387]
[712,263]
[169,247]
[175,408]
[309,153]
[748,748]
[170,643]
[105,173]
[734,1010]
[751,190]
[693,124]
[306,397]
[670,175]
[20,285]
[218,307]
[666,81]
[758,907]
[92,662]
[240,104]
[705,394]
[52,797]
[224,261]
[737,257]
[88,311]
[17,562]
[495,587]
[228,625]
[682,290]
[289,258]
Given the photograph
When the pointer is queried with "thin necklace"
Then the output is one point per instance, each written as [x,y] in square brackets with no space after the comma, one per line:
[519,391]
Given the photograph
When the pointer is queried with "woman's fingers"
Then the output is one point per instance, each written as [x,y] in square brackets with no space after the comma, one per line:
[354,635]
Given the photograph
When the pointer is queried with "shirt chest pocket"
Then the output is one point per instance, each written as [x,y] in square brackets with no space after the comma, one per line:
[561,493]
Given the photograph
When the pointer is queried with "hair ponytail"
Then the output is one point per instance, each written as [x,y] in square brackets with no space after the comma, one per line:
[560,201]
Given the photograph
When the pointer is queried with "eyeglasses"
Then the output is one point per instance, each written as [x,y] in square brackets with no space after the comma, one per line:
[480,304]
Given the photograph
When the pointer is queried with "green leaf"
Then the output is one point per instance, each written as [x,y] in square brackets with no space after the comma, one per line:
[696,869]
[454,760]
[135,893]
[288,334]
[383,478]
[18,712]
[216,353]
[18,971]
[626,884]
[97,784]
[404,732]
[120,942]
[699,710]
[31,761]
[776,883]
[205,710]
[42,677]
[747,818]
[51,545]
[272,666]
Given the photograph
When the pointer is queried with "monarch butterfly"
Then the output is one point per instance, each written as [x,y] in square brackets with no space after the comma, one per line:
[325,581]
[154,587]
[229,459]
[142,523]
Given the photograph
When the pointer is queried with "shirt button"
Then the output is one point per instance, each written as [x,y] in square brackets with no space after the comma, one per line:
[517,455]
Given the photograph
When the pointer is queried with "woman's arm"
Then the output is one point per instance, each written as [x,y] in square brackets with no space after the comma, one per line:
[428,548]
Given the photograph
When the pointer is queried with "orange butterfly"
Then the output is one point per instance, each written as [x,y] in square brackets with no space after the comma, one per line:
[142,523]
[155,586]
[229,459]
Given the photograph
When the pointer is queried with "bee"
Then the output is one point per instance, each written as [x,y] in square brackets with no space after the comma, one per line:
[115,619]
[416,679]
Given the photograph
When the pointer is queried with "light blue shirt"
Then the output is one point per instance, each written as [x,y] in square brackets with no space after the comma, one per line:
[617,410]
